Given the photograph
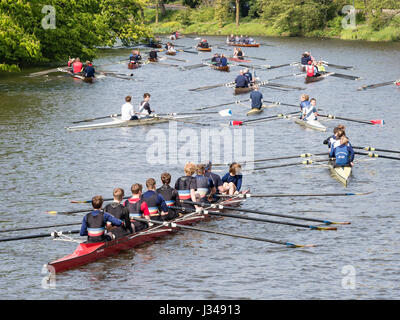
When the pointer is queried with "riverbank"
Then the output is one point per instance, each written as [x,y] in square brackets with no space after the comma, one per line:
[258,27]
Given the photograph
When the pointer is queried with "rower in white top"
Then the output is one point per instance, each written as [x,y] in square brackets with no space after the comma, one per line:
[310,111]
[127,111]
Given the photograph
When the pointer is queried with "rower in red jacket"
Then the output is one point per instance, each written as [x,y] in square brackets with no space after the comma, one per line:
[137,208]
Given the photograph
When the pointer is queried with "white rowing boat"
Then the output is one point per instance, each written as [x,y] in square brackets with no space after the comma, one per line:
[118,123]
[311,124]
[341,174]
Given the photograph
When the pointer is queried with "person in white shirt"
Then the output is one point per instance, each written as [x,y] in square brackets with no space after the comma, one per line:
[127,111]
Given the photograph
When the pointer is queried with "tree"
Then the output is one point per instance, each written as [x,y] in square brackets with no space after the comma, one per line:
[237,12]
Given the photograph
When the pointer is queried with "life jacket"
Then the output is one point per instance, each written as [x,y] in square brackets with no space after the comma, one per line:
[310,71]
[118,211]
[153,205]
[203,186]
[183,188]
[77,67]
[133,205]
[342,155]
[95,227]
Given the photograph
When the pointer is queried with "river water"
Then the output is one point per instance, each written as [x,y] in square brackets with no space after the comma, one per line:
[43,167]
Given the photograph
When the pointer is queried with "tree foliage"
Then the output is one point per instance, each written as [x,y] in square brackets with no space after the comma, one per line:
[80,27]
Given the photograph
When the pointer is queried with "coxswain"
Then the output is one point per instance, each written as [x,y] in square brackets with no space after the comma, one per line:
[215,178]
[95,222]
[170,195]
[127,110]
[232,181]
[241,81]
[186,186]
[155,202]
[304,101]
[343,153]
[248,75]
[256,98]
[118,211]
[205,186]
[153,56]
[309,112]
[321,68]
[137,208]
[223,61]
[144,108]
[203,44]
[77,66]
[89,70]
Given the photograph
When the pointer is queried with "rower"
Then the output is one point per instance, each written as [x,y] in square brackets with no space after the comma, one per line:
[335,137]
[205,186]
[232,181]
[248,75]
[215,178]
[216,59]
[94,223]
[89,70]
[309,112]
[312,71]
[153,55]
[230,39]
[70,62]
[155,202]
[203,44]
[186,186]
[343,153]
[305,59]
[305,102]
[223,61]
[241,80]
[127,111]
[238,53]
[77,66]
[321,67]
[169,194]
[256,98]
[116,209]
[171,49]
[144,108]
[137,208]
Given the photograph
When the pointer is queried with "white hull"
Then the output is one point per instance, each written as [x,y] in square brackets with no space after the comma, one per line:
[311,124]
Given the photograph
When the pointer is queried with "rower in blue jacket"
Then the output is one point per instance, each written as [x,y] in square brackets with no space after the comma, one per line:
[343,153]
[241,80]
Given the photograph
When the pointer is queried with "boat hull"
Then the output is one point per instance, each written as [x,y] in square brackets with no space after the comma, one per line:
[255,45]
[342,174]
[242,90]
[311,124]
[319,78]
[170,53]
[119,123]
[224,68]
[254,111]
[238,60]
[133,65]
[204,49]
[89,252]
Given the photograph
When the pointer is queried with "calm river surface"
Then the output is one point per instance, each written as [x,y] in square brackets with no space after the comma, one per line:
[43,167]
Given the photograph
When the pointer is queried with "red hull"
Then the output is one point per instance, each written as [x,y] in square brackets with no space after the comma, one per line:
[133,65]
[238,60]
[89,252]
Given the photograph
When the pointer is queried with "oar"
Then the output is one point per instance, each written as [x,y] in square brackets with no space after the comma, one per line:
[372,122]
[287,76]
[337,66]
[281,65]
[40,235]
[90,201]
[213,86]
[99,118]
[375,149]
[222,104]
[278,116]
[221,207]
[177,225]
[304,155]
[374,155]
[282,103]
[69,212]
[377,85]
[195,66]
[222,113]
[306,162]
[290,195]
[345,76]
[41,227]
[175,59]
[283,86]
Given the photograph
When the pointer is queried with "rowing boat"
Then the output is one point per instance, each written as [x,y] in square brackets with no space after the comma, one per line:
[254,111]
[117,123]
[311,124]
[319,78]
[169,53]
[243,44]
[238,60]
[243,90]
[341,174]
[220,68]
[77,76]
[132,65]
[89,252]
[203,49]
